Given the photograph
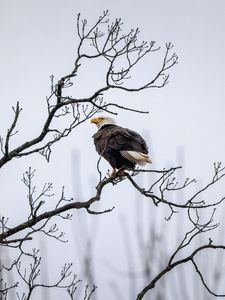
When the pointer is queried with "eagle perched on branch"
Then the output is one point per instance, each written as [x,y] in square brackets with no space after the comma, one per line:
[121,147]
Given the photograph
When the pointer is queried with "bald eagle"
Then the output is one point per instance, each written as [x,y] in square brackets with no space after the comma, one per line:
[121,147]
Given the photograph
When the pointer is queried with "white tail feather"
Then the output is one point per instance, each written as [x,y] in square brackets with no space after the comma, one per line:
[136,157]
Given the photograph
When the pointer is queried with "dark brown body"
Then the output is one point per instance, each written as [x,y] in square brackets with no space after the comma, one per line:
[111,139]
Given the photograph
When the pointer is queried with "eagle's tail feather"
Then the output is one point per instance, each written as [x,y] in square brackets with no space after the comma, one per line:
[136,157]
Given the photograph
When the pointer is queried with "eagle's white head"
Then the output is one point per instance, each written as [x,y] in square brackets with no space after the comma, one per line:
[102,120]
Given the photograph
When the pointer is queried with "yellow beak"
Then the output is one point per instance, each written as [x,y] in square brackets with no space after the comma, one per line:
[95,120]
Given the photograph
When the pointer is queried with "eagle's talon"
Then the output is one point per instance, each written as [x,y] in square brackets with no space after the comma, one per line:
[121,173]
[113,173]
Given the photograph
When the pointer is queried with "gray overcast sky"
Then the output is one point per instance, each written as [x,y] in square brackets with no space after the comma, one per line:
[38,38]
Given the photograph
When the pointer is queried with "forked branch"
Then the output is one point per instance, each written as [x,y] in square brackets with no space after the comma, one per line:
[189,258]
[165,183]
[122,52]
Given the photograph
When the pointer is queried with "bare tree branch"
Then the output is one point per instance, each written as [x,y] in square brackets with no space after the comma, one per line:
[109,44]
[171,266]
[121,52]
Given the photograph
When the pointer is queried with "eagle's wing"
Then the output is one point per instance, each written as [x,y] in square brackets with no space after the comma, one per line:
[130,140]
[129,143]
[136,150]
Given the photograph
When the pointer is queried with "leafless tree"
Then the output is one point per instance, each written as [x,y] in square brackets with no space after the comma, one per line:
[154,253]
[121,53]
